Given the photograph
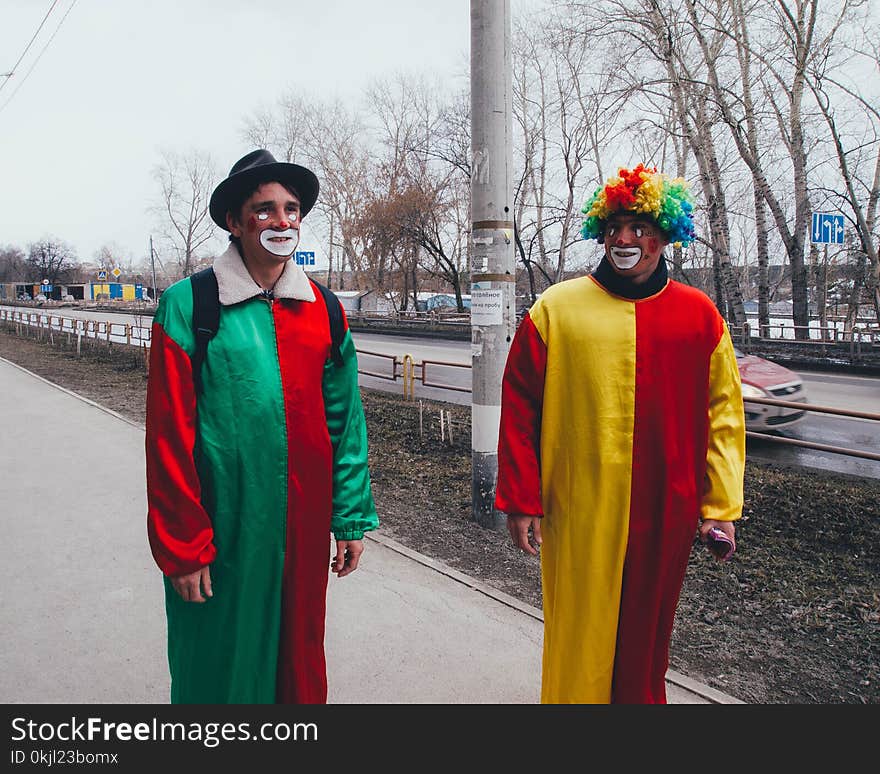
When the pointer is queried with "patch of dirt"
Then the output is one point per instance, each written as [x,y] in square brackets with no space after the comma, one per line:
[793,618]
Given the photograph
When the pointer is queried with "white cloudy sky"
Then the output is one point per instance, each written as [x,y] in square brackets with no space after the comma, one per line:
[80,134]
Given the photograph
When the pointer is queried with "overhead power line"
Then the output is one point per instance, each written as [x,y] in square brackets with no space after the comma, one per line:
[39,56]
[27,47]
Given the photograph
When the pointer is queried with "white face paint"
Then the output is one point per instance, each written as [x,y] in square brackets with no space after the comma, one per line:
[625,257]
[281,243]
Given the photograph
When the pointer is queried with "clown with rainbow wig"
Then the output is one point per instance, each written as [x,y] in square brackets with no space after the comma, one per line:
[622,439]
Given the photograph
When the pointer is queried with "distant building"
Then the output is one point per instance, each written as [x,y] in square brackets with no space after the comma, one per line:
[385,302]
[83,291]
[429,302]
[122,291]
[351,299]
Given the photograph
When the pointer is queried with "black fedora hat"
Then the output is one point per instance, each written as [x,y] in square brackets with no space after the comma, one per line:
[257,167]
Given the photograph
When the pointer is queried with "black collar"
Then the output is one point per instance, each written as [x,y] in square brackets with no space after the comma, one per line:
[622,286]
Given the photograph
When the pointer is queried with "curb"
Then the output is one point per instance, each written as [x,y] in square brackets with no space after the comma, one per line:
[675,678]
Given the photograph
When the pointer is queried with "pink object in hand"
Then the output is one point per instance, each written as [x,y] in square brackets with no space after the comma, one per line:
[719,544]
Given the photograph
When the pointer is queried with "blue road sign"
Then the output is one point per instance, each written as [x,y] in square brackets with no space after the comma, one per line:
[305,258]
[827,228]
[102,274]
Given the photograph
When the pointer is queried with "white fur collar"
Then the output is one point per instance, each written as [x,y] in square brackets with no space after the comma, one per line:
[237,285]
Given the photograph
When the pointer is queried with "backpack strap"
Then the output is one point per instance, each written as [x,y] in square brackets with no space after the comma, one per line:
[334,316]
[205,318]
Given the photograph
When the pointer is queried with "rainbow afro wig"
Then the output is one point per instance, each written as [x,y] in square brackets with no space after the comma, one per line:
[647,192]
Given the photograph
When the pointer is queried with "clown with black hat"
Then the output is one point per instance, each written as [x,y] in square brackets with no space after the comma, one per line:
[622,435]
[247,477]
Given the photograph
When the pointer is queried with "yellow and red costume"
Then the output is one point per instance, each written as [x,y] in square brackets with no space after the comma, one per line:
[621,425]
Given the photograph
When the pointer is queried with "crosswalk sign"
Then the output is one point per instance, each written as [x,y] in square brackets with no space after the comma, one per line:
[102,274]
[827,228]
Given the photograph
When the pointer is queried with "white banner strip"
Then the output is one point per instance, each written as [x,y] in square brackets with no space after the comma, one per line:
[485,421]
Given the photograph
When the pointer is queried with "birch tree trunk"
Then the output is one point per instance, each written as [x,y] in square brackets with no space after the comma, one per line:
[698,130]
[799,32]
[744,56]
[763,263]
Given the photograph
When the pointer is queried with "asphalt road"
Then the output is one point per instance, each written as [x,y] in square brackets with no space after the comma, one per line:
[853,393]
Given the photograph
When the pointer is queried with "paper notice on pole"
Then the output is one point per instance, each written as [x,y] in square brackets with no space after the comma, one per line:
[487,307]
[480,256]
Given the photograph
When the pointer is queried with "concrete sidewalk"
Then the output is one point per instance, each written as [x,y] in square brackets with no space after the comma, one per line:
[81,602]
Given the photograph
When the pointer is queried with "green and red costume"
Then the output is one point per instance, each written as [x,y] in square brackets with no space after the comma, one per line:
[251,479]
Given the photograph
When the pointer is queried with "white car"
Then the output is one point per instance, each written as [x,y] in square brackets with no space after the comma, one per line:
[764,379]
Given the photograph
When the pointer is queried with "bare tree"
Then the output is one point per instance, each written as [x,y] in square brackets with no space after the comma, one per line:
[566,106]
[660,72]
[12,264]
[530,112]
[422,181]
[111,256]
[739,11]
[283,127]
[186,181]
[793,43]
[50,259]
[862,203]
[710,171]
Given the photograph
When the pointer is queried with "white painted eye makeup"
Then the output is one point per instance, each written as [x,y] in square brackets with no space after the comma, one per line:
[639,231]
[262,216]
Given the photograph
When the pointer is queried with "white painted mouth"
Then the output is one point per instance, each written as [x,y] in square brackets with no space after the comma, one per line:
[625,257]
[281,243]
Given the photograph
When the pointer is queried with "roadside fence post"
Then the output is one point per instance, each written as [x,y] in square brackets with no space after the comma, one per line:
[408,378]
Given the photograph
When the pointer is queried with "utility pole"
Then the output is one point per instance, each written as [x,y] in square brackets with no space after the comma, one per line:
[153,264]
[493,312]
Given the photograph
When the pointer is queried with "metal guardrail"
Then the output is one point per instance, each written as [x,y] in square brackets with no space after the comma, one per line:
[830,333]
[104,330]
[784,441]
[859,345]
[812,444]
[813,407]
[394,363]
[405,368]
[424,365]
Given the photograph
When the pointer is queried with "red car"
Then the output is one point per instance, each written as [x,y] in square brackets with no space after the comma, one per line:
[764,379]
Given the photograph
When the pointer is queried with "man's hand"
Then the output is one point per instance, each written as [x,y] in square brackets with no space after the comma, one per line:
[348,553]
[190,587]
[725,526]
[518,527]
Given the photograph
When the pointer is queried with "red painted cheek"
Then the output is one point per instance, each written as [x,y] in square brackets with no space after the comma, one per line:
[653,245]
[252,224]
